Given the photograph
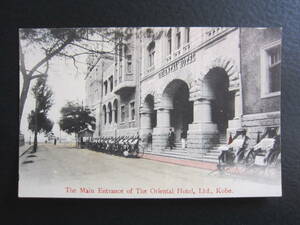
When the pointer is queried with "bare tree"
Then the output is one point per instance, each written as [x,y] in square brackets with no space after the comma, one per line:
[70,43]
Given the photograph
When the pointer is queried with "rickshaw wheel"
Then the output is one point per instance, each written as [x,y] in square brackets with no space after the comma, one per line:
[250,159]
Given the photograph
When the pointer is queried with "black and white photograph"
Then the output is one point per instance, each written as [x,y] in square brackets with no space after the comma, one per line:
[150,112]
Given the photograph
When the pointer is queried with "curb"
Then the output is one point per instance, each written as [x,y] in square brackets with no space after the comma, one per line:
[29,147]
[183,162]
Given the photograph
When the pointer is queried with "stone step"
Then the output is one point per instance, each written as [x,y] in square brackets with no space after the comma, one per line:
[176,148]
[212,154]
[174,151]
[214,150]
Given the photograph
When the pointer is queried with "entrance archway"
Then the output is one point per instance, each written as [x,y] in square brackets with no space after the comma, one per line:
[222,100]
[149,106]
[176,95]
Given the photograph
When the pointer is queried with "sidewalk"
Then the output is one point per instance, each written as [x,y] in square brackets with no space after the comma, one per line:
[23,149]
[182,162]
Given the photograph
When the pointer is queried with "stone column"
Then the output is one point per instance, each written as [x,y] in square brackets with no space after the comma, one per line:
[237,105]
[163,118]
[107,118]
[161,131]
[235,123]
[113,116]
[202,116]
[145,121]
[202,133]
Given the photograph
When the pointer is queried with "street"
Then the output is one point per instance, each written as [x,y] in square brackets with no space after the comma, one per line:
[65,171]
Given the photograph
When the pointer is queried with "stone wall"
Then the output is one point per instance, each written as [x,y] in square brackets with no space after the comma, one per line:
[255,123]
[252,41]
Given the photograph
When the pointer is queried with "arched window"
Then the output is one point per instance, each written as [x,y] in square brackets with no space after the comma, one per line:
[111,83]
[151,52]
[169,42]
[116,110]
[105,87]
[128,58]
[187,35]
[109,113]
[104,114]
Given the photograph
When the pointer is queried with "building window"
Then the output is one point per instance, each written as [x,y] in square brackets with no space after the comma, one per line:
[151,52]
[120,52]
[109,113]
[187,35]
[129,63]
[116,111]
[169,45]
[105,87]
[178,38]
[122,113]
[111,83]
[128,58]
[104,114]
[132,111]
[271,70]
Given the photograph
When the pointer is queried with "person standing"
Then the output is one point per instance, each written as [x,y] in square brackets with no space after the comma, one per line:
[183,138]
[171,137]
[149,140]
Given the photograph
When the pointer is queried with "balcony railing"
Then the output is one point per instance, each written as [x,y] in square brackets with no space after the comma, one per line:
[204,36]
[150,69]
[127,83]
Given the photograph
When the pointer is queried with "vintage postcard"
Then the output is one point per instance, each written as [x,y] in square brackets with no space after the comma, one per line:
[150,112]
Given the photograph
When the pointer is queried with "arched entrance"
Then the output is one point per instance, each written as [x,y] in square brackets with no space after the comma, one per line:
[149,106]
[222,100]
[148,115]
[176,95]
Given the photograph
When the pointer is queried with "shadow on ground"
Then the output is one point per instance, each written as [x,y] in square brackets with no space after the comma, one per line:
[27,162]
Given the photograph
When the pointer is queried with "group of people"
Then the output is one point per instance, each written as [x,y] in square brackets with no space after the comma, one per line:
[121,145]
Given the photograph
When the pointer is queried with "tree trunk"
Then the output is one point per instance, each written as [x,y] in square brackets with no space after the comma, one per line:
[76,142]
[26,85]
[35,141]
[35,126]
[27,77]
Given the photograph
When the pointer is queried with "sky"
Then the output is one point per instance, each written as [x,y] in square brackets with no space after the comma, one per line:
[67,84]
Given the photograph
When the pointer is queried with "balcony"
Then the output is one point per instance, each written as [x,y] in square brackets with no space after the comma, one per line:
[125,85]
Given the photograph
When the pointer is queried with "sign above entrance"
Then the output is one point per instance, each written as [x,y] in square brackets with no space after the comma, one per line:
[188,59]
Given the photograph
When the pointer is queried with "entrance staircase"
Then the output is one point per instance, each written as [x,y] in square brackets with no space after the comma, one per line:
[182,153]
[213,154]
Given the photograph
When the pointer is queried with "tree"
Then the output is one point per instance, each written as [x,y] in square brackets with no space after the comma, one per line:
[70,43]
[37,119]
[76,118]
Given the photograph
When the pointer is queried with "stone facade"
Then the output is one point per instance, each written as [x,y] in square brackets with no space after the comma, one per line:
[203,81]
[118,98]
[260,110]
